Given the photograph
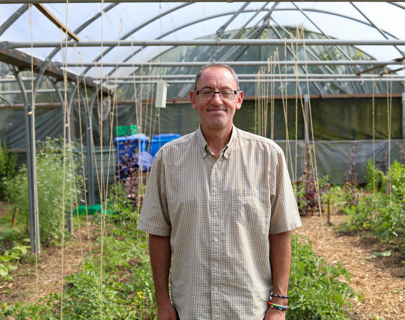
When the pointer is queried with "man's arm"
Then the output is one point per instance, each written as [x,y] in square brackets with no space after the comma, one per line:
[160,257]
[280,261]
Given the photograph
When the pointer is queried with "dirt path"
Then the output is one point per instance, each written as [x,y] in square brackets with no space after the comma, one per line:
[31,283]
[380,281]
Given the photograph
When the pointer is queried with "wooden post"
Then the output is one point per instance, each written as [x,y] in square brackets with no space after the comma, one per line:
[388,187]
[328,212]
[14,220]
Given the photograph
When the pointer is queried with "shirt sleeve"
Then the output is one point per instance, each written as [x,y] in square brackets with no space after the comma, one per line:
[154,218]
[284,211]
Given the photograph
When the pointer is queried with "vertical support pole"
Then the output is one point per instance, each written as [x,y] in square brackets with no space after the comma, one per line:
[90,149]
[403,128]
[29,115]
[306,118]
[69,141]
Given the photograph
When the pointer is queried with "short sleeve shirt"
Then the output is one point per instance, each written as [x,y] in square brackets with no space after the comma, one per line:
[219,213]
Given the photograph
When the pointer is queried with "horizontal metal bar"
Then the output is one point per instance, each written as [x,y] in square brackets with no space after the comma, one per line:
[30,91]
[253,76]
[331,79]
[115,1]
[219,42]
[236,63]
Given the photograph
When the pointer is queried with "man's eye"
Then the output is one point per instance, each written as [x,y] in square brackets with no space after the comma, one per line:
[226,93]
[206,92]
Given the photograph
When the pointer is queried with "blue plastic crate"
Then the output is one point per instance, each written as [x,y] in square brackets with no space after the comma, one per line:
[136,142]
[159,140]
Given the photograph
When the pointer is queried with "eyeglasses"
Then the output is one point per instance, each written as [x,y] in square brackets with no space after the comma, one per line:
[206,95]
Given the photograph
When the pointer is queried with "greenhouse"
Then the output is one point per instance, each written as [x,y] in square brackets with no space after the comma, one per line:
[91,91]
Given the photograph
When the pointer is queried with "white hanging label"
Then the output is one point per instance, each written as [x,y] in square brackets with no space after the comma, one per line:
[161,94]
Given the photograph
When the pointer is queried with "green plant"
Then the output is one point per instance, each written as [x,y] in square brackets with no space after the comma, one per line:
[315,287]
[8,167]
[56,193]
[10,258]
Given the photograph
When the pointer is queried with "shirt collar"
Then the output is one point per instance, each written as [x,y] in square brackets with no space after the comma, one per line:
[225,151]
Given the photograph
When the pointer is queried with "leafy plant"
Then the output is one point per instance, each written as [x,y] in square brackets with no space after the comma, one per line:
[9,259]
[54,199]
[350,184]
[307,195]
[8,167]
[315,287]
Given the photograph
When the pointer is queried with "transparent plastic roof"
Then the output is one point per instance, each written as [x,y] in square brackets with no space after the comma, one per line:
[186,21]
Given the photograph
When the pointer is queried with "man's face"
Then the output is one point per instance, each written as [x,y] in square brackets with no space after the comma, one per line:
[216,114]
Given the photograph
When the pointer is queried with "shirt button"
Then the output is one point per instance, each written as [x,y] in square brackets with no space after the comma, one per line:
[215,214]
[215,289]
[215,239]
[215,189]
[215,264]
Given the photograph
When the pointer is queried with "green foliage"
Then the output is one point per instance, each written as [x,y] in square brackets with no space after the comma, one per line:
[379,214]
[375,177]
[9,259]
[8,167]
[125,289]
[55,192]
[315,290]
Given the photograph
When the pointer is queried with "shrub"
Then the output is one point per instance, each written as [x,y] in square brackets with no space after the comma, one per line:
[8,167]
[307,196]
[49,165]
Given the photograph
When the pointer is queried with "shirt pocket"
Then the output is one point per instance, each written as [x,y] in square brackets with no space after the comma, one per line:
[251,208]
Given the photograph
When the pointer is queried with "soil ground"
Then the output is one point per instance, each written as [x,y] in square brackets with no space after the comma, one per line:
[379,281]
[31,281]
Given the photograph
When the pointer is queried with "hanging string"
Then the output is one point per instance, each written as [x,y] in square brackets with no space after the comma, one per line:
[73,168]
[373,103]
[86,109]
[313,160]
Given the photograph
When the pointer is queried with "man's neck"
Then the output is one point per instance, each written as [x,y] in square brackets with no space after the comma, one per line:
[217,140]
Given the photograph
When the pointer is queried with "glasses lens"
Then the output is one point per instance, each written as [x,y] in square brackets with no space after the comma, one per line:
[206,95]
[227,94]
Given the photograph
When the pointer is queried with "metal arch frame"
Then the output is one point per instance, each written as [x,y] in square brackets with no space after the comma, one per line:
[13,18]
[245,11]
[222,29]
[320,30]
[29,110]
[229,13]
[375,26]
[179,28]
[129,33]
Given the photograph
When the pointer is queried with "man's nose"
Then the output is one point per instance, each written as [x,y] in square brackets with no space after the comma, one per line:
[217,98]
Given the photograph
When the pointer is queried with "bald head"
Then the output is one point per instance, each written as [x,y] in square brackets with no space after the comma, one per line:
[215,65]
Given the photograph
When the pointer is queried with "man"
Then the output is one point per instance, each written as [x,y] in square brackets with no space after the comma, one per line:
[217,200]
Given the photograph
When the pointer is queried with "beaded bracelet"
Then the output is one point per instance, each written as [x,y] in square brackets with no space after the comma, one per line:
[277,306]
[279,296]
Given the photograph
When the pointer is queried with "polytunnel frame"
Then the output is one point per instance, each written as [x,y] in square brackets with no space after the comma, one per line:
[29,115]
[30,108]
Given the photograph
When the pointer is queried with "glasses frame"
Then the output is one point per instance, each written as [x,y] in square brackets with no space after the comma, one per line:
[197,92]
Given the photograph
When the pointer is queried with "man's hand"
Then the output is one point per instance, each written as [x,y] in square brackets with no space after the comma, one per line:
[166,312]
[274,314]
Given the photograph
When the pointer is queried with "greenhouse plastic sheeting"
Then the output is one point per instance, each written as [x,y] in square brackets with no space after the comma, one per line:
[333,157]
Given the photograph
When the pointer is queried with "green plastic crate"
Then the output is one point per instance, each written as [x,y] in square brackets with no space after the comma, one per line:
[91,210]
[123,131]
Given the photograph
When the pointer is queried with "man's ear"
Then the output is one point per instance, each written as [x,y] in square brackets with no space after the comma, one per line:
[239,100]
[193,99]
